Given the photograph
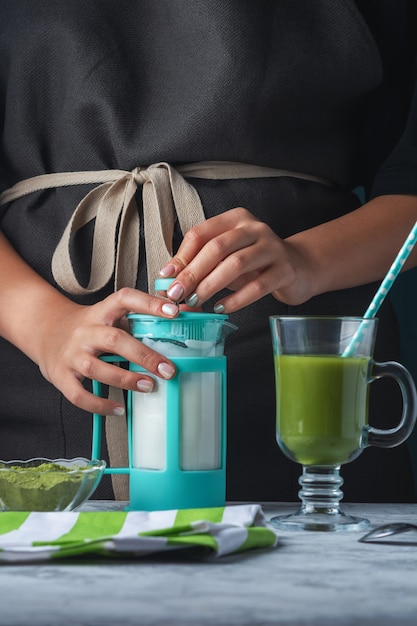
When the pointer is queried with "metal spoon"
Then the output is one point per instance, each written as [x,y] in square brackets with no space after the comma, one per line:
[378,534]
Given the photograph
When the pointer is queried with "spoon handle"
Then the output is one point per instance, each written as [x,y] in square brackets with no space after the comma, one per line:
[388,530]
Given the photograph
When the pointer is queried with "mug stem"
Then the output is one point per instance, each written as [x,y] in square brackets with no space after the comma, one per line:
[320,496]
[320,491]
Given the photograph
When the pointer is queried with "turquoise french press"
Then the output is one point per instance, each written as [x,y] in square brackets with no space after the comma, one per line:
[177,432]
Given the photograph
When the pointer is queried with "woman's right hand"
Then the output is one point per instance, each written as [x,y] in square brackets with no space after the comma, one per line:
[66,339]
[72,345]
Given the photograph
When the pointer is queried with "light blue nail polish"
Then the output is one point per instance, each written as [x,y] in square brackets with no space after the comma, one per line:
[192,300]
[219,308]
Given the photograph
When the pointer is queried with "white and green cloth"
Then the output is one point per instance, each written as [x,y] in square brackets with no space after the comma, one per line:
[42,536]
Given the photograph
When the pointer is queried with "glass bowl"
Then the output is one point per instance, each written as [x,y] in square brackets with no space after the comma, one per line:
[48,484]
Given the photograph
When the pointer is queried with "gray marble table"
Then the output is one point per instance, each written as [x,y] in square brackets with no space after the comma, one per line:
[310,579]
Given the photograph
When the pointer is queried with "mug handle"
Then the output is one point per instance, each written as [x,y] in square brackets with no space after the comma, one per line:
[391,437]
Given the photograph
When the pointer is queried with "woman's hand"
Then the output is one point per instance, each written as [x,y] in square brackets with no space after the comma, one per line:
[237,251]
[71,348]
[66,339]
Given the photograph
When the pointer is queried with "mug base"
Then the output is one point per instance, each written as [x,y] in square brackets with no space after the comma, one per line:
[324,522]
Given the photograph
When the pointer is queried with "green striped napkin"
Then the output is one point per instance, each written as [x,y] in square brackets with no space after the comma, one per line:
[41,536]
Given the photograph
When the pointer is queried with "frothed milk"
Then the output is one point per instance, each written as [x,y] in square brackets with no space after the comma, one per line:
[200,427]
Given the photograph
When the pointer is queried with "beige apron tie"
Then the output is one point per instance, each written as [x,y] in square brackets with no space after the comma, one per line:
[166,195]
[115,427]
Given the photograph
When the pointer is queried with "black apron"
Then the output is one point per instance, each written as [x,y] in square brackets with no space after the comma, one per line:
[98,85]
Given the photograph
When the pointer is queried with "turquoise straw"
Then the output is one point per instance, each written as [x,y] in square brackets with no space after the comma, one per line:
[383,290]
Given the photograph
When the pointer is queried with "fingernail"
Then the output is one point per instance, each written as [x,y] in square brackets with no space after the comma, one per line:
[176,292]
[119,410]
[169,309]
[144,385]
[192,300]
[166,370]
[219,308]
[167,271]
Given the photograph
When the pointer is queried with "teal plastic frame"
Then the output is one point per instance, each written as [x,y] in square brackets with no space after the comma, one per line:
[172,487]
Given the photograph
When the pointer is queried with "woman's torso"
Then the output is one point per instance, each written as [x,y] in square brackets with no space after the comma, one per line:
[98,85]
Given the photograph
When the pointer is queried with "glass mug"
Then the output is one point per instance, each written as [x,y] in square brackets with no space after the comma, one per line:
[323,369]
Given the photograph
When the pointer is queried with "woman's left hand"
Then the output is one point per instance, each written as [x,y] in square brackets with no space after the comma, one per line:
[237,251]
